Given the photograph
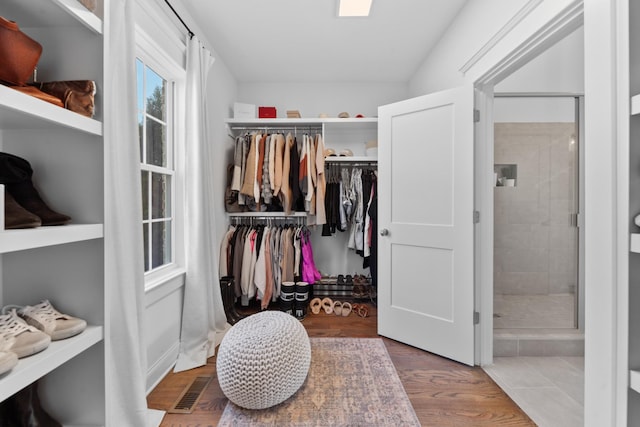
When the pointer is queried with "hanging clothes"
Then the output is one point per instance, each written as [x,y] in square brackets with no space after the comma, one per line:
[263,257]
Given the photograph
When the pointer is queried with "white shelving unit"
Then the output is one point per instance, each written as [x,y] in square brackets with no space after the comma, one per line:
[64,264]
[20,111]
[330,253]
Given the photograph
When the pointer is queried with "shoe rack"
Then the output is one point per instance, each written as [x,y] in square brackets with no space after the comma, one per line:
[64,264]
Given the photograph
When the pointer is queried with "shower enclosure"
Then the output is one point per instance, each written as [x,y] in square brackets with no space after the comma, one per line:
[536,239]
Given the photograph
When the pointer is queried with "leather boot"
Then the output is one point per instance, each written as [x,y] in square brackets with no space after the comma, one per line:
[224,292]
[6,414]
[231,292]
[24,409]
[15,216]
[16,173]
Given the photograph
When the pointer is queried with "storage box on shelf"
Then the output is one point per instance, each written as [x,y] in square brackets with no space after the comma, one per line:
[62,263]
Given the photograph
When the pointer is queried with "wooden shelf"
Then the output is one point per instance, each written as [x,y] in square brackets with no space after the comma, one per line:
[20,111]
[635,104]
[64,13]
[31,368]
[18,240]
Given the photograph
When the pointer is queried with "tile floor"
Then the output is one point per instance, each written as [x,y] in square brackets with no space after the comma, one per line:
[548,389]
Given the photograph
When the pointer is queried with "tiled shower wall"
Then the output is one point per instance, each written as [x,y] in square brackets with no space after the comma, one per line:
[535,242]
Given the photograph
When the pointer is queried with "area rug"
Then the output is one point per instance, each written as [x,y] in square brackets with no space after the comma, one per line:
[351,382]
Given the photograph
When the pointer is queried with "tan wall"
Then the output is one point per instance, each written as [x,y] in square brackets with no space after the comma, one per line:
[534,241]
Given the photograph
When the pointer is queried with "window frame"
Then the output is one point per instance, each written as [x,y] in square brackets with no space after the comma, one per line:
[154,57]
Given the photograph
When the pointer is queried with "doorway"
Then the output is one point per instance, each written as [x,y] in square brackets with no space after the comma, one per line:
[534,158]
[536,231]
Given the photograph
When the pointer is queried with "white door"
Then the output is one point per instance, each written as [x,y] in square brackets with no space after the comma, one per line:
[425,276]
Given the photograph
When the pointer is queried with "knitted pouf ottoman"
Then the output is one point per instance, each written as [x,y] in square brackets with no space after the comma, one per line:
[263,360]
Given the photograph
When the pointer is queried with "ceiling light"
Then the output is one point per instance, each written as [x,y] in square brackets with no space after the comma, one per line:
[354,7]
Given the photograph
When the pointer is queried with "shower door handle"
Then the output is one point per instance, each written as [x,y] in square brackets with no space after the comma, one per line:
[574,220]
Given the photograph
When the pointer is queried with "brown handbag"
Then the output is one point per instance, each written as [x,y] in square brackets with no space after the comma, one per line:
[19,54]
[76,95]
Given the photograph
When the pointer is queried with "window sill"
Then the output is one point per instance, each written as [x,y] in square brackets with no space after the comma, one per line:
[159,286]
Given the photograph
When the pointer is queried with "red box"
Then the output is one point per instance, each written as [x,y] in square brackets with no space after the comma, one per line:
[267,112]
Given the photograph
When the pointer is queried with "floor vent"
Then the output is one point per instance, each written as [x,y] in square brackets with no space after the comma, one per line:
[190,396]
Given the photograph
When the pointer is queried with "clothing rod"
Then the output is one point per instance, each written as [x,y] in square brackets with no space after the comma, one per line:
[351,164]
[271,127]
[191,34]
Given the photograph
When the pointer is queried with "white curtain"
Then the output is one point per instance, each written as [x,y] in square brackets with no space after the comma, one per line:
[124,269]
[203,318]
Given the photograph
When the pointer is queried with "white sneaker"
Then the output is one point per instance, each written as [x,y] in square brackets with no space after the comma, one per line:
[26,339]
[8,359]
[50,321]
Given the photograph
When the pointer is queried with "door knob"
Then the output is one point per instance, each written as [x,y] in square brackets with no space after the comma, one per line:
[384,232]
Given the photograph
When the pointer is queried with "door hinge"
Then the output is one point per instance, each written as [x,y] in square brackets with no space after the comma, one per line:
[476,116]
[476,217]
[476,317]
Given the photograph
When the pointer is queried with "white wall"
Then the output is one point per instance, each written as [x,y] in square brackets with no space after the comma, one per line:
[534,110]
[559,69]
[221,94]
[475,25]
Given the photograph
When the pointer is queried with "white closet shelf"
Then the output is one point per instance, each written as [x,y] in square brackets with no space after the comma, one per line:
[18,240]
[634,380]
[266,214]
[634,243]
[34,367]
[635,104]
[64,13]
[20,111]
[365,122]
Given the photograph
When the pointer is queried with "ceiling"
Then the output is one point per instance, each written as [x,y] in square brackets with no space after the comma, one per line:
[305,41]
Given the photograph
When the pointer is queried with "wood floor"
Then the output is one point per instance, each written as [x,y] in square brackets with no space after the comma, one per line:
[443,393]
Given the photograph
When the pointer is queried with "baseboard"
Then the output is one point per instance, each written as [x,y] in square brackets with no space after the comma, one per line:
[161,367]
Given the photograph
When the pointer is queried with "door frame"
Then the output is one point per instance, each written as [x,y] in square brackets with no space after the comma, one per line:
[484,77]
[606,213]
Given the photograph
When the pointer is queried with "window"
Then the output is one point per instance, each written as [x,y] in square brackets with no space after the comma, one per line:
[154,100]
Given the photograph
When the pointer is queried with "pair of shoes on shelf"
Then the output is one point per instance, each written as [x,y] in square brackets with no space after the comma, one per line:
[361,286]
[30,329]
[23,206]
[294,298]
